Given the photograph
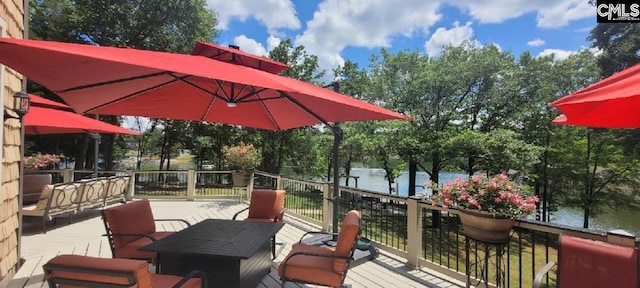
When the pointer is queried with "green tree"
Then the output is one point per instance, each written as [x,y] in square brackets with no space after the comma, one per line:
[290,146]
[619,43]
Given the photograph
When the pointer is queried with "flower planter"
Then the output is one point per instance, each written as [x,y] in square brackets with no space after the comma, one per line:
[240,178]
[485,227]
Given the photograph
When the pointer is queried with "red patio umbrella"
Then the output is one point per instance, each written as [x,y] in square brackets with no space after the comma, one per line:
[613,102]
[118,81]
[233,54]
[42,120]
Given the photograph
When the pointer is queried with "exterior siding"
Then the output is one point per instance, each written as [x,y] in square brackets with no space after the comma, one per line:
[11,16]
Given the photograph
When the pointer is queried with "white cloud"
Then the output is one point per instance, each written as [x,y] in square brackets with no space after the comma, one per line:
[550,13]
[337,24]
[443,37]
[250,45]
[558,54]
[273,14]
[273,42]
[536,42]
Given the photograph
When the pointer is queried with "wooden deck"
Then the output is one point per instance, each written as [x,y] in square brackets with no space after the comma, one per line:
[84,237]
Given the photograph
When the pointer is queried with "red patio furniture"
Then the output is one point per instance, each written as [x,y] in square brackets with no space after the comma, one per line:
[589,263]
[131,226]
[266,206]
[323,265]
[86,271]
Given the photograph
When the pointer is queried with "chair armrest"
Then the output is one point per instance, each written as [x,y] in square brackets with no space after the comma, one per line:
[131,235]
[316,233]
[541,273]
[238,213]
[178,220]
[279,216]
[192,274]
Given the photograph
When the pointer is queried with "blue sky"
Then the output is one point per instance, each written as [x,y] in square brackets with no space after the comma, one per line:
[339,30]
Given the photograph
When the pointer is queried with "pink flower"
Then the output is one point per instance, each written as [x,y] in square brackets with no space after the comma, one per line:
[497,194]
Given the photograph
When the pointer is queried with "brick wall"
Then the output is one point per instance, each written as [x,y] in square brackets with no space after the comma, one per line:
[11,18]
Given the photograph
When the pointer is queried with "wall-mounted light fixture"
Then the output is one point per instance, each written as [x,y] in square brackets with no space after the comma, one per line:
[21,103]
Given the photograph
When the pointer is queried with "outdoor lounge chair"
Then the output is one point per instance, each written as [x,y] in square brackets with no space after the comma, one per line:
[33,186]
[85,271]
[266,206]
[56,201]
[589,263]
[323,265]
[131,226]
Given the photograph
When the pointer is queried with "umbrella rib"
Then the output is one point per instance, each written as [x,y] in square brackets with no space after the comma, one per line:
[294,101]
[253,92]
[273,120]
[203,90]
[134,94]
[113,82]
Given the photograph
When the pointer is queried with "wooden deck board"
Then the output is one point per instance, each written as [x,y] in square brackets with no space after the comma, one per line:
[84,237]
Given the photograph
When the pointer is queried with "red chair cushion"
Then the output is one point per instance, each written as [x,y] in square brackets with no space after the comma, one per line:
[347,237]
[167,281]
[130,218]
[131,249]
[589,263]
[266,204]
[138,268]
[318,270]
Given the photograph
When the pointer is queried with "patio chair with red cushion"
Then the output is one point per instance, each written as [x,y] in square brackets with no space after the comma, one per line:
[590,263]
[323,265]
[131,226]
[86,271]
[266,206]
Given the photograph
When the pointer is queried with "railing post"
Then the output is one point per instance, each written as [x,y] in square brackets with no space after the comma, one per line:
[252,180]
[327,206]
[191,185]
[132,185]
[414,231]
[279,185]
[67,175]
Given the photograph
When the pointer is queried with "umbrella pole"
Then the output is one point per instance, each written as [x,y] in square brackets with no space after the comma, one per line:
[335,196]
[96,144]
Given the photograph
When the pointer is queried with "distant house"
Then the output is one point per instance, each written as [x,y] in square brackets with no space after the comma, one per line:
[11,25]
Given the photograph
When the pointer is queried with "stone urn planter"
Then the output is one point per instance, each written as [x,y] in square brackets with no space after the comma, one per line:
[240,178]
[485,227]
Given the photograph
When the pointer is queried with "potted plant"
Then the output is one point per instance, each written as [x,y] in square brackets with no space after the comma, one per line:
[487,206]
[242,158]
[40,161]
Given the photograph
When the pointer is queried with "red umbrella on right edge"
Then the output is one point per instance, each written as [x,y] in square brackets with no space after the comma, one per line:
[613,102]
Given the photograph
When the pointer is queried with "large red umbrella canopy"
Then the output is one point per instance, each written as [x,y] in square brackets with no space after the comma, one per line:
[613,102]
[122,81]
[234,55]
[43,120]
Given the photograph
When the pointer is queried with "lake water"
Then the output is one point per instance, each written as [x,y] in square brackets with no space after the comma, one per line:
[373,179]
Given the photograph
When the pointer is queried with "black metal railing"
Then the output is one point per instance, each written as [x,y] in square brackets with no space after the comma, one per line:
[441,245]
[305,198]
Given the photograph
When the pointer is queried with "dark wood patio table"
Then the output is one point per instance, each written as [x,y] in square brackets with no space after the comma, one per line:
[231,253]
